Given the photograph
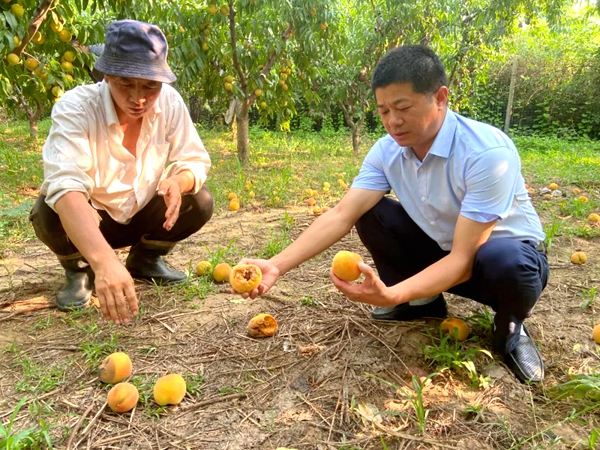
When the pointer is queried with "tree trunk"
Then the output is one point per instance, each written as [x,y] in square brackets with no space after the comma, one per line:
[356,129]
[242,121]
[34,119]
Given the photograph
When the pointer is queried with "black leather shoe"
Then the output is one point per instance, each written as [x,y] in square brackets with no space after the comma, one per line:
[525,360]
[406,311]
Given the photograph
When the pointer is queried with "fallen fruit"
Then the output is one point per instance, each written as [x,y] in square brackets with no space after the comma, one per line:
[453,323]
[576,191]
[115,368]
[221,272]
[203,268]
[345,265]
[232,195]
[578,258]
[245,277]
[262,326]
[234,204]
[553,186]
[582,199]
[596,334]
[122,397]
[169,389]
[594,218]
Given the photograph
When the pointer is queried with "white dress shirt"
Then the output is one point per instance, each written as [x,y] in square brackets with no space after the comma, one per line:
[84,151]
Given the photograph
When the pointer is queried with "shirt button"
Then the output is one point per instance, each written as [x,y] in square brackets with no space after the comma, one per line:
[432,224]
[423,199]
[421,169]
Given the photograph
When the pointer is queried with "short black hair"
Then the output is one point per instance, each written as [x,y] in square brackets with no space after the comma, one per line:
[415,64]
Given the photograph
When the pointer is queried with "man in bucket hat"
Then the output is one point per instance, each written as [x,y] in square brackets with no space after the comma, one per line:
[123,166]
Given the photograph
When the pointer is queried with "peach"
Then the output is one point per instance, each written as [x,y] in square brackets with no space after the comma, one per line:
[221,272]
[594,218]
[453,323]
[578,258]
[169,389]
[203,268]
[245,277]
[345,265]
[122,397]
[115,368]
[234,204]
[553,186]
[261,326]
[596,334]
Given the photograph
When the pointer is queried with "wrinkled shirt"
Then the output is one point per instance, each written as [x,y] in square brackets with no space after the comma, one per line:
[84,151]
[472,169]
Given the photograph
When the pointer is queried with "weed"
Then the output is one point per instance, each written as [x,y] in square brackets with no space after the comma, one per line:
[194,384]
[483,318]
[448,353]
[414,398]
[588,298]
[10,439]
[95,352]
[40,377]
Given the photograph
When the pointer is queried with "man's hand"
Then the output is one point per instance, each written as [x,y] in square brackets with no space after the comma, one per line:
[116,292]
[372,290]
[170,190]
[270,273]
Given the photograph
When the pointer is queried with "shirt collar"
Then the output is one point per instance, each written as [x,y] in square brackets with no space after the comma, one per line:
[443,140]
[111,112]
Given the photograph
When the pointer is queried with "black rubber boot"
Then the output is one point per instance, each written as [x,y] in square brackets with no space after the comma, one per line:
[145,262]
[77,291]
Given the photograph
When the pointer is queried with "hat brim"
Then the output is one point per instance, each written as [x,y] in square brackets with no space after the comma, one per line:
[132,68]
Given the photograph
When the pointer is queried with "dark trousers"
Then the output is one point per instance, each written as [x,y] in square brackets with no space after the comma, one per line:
[195,211]
[508,275]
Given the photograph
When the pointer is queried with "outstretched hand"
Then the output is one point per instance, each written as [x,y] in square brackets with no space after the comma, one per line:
[270,273]
[171,192]
[372,290]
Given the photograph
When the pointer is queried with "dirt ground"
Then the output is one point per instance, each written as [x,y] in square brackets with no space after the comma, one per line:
[327,380]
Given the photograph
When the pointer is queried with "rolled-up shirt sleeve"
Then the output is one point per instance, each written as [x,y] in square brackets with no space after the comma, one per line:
[187,150]
[66,155]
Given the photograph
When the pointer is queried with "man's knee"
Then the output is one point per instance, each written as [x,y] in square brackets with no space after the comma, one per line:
[201,207]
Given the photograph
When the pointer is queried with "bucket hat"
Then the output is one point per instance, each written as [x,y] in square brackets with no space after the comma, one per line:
[135,49]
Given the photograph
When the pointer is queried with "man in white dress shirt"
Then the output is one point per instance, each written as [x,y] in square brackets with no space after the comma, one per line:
[123,166]
[462,221]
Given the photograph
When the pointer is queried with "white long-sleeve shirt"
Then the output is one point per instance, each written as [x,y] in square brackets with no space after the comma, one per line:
[84,151]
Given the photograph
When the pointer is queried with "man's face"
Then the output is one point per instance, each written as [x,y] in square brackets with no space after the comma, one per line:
[412,119]
[133,97]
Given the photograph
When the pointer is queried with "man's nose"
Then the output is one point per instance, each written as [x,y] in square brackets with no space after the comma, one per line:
[138,96]
[396,118]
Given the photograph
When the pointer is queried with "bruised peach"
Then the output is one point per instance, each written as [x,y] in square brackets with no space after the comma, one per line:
[221,272]
[115,368]
[455,327]
[245,277]
[169,389]
[345,265]
[262,326]
[122,397]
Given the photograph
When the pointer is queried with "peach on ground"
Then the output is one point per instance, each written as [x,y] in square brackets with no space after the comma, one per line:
[222,272]
[122,397]
[115,368]
[578,258]
[262,325]
[454,323]
[169,389]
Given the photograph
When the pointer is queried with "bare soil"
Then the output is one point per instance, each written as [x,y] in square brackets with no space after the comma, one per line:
[331,378]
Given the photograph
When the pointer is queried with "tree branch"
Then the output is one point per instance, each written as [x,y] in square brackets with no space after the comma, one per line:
[34,25]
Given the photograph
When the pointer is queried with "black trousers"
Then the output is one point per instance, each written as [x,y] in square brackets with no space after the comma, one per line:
[195,211]
[508,275]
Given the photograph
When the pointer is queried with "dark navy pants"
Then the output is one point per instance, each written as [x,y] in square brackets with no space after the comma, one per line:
[508,275]
[195,211]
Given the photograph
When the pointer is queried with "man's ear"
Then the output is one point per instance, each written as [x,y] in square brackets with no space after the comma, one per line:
[441,96]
